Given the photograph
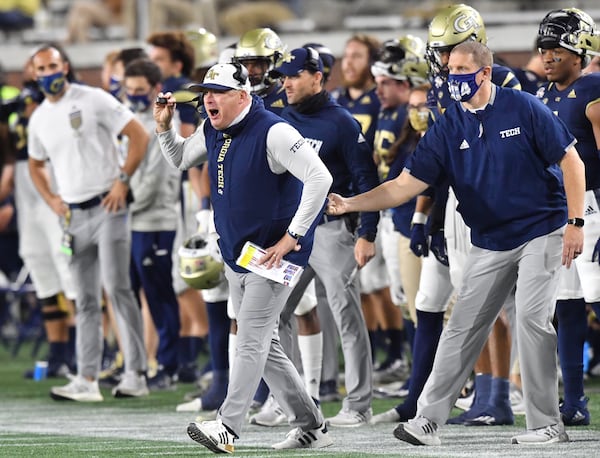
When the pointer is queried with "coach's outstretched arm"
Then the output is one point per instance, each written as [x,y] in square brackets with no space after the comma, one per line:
[387,195]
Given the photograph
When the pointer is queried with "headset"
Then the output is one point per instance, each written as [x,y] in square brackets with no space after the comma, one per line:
[312,60]
[240,74]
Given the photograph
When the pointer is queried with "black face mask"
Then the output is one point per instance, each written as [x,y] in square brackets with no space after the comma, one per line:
[313,103]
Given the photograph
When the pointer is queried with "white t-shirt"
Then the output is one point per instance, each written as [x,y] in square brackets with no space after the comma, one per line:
[78,134]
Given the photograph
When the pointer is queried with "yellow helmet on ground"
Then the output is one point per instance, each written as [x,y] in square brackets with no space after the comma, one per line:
[198,267]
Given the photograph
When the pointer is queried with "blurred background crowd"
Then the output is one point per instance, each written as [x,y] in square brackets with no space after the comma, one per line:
[89,28]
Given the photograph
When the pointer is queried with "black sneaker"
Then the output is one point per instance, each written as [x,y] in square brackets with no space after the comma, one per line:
[188,373]
[328,391]
[162,382]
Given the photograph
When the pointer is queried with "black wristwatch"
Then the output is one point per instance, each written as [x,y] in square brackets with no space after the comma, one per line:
[293,234]
[369,236]
[577,222]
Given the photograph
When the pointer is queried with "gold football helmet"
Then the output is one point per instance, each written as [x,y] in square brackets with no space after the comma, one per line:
[261,44]
[452,25]
[198,267]
[206,50]
[572,29]
[403,60]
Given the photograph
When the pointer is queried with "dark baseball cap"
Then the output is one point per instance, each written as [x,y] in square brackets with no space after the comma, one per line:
[298,60]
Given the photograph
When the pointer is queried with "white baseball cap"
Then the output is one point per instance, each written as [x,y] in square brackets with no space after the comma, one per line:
[224,77]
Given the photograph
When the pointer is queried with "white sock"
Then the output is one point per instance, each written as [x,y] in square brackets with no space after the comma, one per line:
[311,354]
[231,351]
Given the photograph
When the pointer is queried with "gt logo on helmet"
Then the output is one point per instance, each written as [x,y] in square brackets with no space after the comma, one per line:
[465,22]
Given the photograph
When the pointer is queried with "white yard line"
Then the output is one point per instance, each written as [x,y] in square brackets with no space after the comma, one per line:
[67,419]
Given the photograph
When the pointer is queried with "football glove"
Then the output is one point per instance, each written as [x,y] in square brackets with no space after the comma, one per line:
[203,218]
[418,240]
[438,247]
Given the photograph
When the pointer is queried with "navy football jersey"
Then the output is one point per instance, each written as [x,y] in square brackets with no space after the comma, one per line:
[275,100]
[365,110]
[570,105]
[530,81]
[389,125]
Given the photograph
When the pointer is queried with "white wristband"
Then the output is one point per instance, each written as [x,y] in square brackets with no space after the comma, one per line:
[419,218]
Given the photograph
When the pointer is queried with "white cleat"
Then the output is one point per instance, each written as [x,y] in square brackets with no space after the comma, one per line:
[348,418]
[547,435]
[314,438]
[270,414]
[213,435]
[418,431]
[78,389]
[131,385]
[465,403]
[389,416]
[192,406]
[397,370]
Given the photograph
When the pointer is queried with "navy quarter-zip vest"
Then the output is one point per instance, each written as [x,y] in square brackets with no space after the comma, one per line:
[251,203]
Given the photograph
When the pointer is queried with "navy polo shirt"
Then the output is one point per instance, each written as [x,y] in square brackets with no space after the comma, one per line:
[502,164]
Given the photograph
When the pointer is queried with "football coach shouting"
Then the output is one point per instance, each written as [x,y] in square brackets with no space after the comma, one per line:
[267,186]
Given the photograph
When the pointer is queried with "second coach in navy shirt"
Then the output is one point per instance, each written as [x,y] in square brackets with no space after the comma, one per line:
[520,186]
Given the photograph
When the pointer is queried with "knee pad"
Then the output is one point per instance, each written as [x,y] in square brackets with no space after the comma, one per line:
[306,304]
[63,303]
[50,312]
[51,300]
[230,310]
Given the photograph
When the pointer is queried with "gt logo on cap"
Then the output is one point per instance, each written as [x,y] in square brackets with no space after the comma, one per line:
[212,74]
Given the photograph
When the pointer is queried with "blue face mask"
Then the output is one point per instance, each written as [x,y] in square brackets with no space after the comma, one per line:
[52,84]
[114,87]
[462,87]
[139,103]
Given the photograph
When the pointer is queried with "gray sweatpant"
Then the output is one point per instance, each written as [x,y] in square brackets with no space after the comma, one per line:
[488,279]
[332,260]
[257,303]
[101,254]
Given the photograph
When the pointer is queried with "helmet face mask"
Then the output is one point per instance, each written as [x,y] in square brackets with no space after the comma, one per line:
[198,267]
[452,25]
[260,77]
[258,45]
[434,58]
[402,60]
[571,29]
